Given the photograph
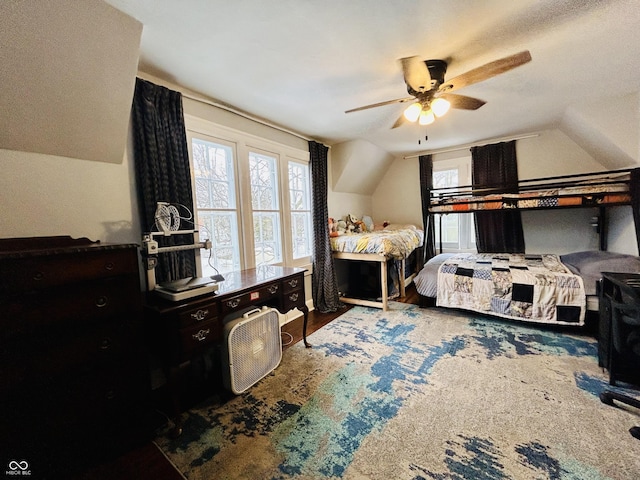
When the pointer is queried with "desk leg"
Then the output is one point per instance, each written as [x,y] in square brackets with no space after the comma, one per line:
[305,311]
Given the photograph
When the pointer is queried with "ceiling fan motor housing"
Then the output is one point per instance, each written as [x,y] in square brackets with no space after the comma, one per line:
[437,70]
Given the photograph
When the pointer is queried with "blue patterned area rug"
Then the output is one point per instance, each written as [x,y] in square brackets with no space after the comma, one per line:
[418,394]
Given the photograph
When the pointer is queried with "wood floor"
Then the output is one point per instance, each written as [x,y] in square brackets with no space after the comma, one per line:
[148,463]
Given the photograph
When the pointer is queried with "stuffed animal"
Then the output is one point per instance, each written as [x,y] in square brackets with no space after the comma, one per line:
[354,224]
[333,228]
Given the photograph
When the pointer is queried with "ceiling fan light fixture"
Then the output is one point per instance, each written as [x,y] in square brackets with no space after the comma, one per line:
[440,106]
[426,117]
[413,111]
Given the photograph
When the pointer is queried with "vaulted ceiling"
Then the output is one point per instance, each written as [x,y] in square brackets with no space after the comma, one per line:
[301,64]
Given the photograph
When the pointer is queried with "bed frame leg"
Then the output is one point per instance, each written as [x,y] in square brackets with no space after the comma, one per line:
[383,284]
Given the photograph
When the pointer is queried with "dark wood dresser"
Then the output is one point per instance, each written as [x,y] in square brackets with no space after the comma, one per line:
[74,375]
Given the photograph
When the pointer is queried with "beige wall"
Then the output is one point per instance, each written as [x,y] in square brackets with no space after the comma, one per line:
[45,195]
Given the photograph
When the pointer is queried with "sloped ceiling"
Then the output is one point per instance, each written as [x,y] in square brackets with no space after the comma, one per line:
[67,76]
[608,129]
[301,64]
[357,166]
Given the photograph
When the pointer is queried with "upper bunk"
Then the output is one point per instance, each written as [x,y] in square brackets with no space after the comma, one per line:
[597,189]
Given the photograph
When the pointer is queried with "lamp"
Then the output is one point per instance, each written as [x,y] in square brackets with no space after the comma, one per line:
[426,117]
[413,111]
[440,106]
[426,110]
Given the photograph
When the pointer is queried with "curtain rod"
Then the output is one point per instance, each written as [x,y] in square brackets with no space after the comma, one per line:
[469,145]
[245,115]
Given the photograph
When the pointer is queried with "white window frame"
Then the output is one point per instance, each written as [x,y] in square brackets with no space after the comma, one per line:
[245,143]
[466,238]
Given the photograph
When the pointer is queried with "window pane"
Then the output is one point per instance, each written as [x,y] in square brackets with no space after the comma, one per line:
[450,224]
[215,194]
[450,228]
[299,195]
[263,175]
[264,186]
[266,234]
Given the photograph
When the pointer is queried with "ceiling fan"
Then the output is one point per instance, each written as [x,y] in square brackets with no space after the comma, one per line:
[431,96]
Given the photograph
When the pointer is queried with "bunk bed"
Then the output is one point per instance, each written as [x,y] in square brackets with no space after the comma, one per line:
[393,243]
[544,288]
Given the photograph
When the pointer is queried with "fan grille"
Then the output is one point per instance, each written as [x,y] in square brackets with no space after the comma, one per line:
[254,349]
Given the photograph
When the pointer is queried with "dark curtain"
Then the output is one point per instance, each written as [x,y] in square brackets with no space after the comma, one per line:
[324,282]
[162,170]
[426,184]
[634,188]
[496,166]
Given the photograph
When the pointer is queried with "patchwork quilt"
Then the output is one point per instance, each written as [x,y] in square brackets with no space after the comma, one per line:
[534,288]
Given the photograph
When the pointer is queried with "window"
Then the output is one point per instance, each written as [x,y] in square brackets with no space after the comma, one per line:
[263,175]
[216,204]
[300,206]
[457,229]
[252,199]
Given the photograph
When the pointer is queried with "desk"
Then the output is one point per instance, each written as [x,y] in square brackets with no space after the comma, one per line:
[179,331]
[616,288]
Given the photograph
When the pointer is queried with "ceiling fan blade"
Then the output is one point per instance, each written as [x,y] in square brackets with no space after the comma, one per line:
[400,121]
[416,74]
[486,71]
[461,101]
[388,102]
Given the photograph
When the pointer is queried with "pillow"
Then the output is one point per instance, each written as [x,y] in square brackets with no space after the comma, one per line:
[590,265]
[400,226]
[368,223]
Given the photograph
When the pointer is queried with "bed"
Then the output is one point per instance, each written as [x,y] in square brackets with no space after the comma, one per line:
[583,190]
[540,288]
[526,287]
[395,245]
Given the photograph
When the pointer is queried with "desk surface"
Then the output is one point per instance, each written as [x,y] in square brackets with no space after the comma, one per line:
[247,279]
[234,283]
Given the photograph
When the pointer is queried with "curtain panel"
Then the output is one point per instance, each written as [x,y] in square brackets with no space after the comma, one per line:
[162,170]
[634,188]
[426,184]
[496,166]
[324,281]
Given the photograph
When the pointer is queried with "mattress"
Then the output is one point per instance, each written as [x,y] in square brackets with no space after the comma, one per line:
[392,243]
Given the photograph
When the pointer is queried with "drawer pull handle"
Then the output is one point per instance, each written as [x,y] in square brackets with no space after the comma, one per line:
[273,289]
[200,315]
[109,266]
[101,302]
[201,335]
[38,276]
[293,283]
[105,344]
[233,303]
[293,297]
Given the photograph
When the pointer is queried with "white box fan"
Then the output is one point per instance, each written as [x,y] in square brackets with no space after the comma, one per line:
[252,348]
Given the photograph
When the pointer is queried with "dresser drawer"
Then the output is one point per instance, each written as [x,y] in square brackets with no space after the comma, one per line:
[291,284]
[40,272]
[255,297]
[293,299]
[64,307]
[197,336]
[199,315]
[47,359]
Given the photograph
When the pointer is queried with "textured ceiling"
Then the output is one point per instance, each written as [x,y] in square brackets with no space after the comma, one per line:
[301,64]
